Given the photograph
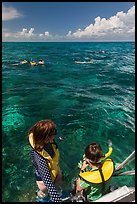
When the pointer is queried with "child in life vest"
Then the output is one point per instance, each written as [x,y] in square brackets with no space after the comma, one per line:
[95,173]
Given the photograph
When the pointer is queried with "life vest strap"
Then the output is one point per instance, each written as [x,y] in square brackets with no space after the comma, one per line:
[103,180]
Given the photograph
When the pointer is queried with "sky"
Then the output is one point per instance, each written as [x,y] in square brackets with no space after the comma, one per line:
[68,21]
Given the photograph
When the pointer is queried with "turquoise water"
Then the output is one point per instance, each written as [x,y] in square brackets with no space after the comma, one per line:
[88,102]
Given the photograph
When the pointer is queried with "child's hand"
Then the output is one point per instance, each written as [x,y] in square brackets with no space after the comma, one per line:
[84,165]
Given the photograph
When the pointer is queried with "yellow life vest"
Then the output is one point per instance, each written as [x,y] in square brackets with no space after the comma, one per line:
[52,162]
[94,176]
[33,63]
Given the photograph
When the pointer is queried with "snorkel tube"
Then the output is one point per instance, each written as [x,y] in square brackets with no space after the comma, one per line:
[109,150]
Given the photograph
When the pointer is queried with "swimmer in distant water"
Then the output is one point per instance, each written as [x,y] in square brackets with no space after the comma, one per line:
[84,62]
[24,62]
[33,63]
[41,61]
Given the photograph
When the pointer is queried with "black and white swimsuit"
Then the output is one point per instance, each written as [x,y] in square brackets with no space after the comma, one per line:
[42,172]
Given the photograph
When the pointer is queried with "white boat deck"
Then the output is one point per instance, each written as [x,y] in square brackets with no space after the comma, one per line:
[122,194]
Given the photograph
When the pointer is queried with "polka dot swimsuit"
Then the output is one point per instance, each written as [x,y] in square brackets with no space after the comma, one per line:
[43,172]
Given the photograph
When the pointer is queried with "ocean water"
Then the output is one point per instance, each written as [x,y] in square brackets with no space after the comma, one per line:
[88,102]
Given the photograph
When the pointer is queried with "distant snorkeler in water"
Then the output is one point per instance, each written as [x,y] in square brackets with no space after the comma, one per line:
[41,61]
[33,63]
[84,62]
[24,62]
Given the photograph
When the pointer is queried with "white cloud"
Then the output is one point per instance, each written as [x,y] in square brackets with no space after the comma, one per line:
[45,35]
[9,13]
[120,25]
[30,33]
[132,30]
[23,32]
[26,33]
[69,33]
